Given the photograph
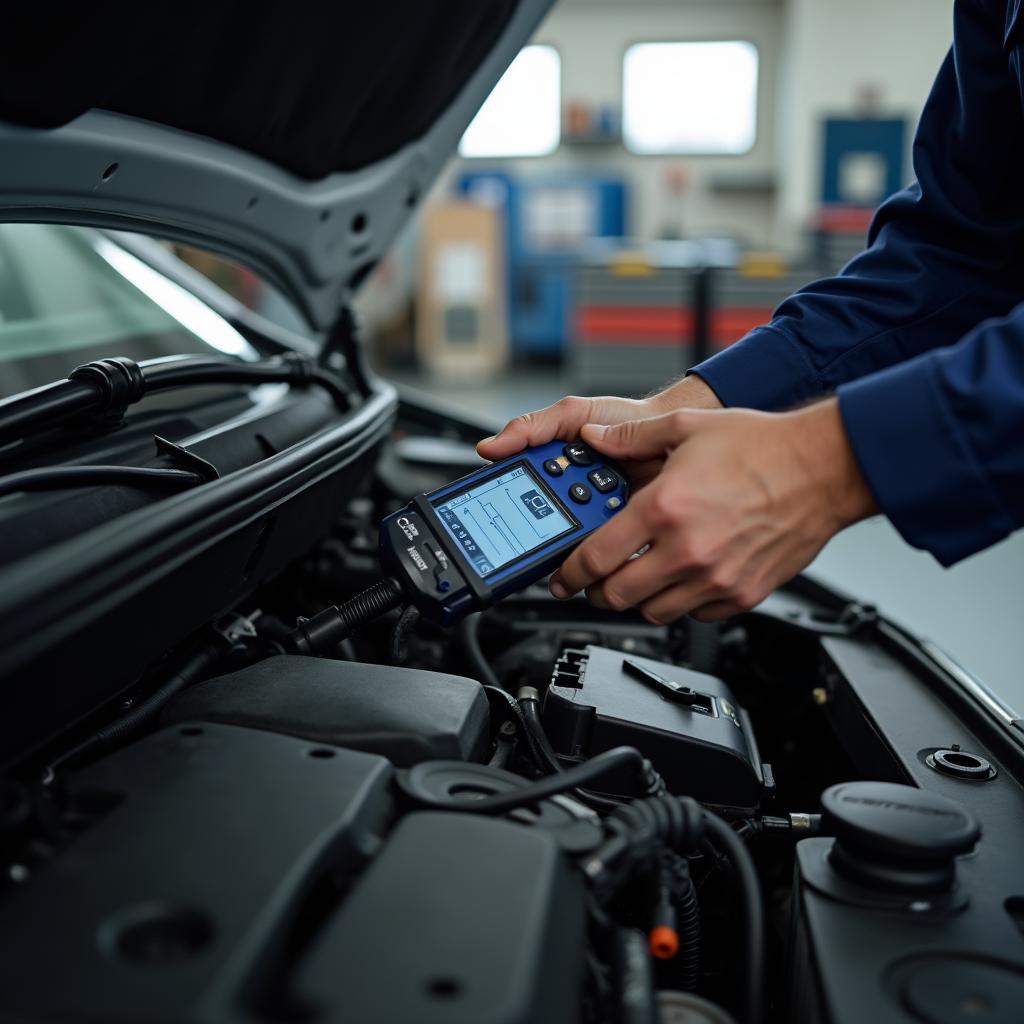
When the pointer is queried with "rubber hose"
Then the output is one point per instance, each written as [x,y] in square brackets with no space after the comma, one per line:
[722,835]
[496,693]
[634,978]
[548,759]
[551,785]
[469,634]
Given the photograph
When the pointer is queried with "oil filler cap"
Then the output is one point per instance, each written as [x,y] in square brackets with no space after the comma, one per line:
[896,838]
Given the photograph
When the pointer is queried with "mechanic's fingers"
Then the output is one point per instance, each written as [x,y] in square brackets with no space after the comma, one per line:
[640,578]
[601,553]
[702,598]
[642,473]
[642,439]
[563,419]
[675,601]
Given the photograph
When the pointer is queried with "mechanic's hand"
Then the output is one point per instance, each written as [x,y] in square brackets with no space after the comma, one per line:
[565,420]
[745,500]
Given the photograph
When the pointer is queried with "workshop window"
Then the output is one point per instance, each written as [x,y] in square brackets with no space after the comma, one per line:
[690,97]
[521,117]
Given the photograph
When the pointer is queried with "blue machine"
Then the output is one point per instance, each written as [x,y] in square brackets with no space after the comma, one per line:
[547,221]
[499,529]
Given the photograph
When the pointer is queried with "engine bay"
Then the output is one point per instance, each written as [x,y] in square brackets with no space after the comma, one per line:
[546,813]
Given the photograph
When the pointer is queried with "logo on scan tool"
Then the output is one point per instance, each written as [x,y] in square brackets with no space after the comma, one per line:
[536,503]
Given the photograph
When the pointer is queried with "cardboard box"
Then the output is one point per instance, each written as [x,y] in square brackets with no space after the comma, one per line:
[461,322]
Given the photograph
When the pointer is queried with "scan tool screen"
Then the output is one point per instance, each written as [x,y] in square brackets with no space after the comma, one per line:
[504,518]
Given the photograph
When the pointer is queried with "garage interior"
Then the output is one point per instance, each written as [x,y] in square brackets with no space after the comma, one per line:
[337,688]
[623,263]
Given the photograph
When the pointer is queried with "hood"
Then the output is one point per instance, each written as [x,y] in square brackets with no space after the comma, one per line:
[296,138]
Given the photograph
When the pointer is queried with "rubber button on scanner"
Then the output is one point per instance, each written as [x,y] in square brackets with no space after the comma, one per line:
[603,479]
[552,468]
[580,493]
[578,454]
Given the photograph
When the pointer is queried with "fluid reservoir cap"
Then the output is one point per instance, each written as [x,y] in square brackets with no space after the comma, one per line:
[902,821]
[896,837]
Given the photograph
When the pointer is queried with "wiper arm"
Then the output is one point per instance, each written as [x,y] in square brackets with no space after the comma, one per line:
[54,478]
[104,389]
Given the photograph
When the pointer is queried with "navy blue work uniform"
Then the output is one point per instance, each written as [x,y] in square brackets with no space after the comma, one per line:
[922,335]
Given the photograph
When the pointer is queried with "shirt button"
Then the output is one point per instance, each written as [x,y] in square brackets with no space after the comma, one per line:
[580,493]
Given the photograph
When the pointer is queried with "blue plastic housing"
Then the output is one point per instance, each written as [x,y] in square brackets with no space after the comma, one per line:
[434,570]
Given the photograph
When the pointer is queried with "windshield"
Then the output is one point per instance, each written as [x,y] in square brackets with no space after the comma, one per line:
[69,295]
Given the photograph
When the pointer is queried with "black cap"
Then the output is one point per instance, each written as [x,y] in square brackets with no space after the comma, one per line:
[896,837]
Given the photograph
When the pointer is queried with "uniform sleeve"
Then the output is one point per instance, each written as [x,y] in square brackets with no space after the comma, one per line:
[939,440]
[943,255]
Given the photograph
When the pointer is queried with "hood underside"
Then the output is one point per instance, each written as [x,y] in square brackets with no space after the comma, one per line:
[296,138]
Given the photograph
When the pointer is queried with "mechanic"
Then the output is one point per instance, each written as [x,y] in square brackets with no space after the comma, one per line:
[912,359]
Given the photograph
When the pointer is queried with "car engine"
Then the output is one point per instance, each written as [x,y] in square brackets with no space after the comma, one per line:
[547,813]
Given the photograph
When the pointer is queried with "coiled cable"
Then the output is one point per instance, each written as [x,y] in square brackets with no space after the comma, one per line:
[322,633]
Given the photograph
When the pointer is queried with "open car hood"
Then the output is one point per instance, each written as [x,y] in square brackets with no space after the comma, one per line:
[296,138]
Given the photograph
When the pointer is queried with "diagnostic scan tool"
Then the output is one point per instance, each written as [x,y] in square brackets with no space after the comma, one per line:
[467,545]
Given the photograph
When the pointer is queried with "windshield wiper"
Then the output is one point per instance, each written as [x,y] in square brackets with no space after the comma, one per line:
[54,478]
[103,390]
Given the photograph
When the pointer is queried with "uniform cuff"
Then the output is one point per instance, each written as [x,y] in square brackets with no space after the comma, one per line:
[918,464]
[765,370]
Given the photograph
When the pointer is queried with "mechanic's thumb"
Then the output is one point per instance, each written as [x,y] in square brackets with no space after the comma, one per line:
[640,439]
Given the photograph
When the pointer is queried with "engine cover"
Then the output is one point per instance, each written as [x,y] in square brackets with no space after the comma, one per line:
[237,875]
[171,906]
[461,919]
[407,715]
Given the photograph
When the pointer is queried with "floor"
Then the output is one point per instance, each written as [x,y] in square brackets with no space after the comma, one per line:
[973,610]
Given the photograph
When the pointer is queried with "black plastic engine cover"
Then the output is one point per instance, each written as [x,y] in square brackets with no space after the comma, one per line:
[461,919]
[404,714]
[171,906]
[594,703]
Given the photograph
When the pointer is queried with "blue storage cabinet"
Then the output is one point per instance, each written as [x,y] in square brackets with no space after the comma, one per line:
[881,141]
[547,219]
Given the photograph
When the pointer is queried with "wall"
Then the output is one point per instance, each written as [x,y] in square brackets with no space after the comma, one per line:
[592,37]
[815,58]
[830,51]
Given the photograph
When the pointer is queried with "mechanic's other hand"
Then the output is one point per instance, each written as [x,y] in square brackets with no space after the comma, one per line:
[744,501]
[565,420]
